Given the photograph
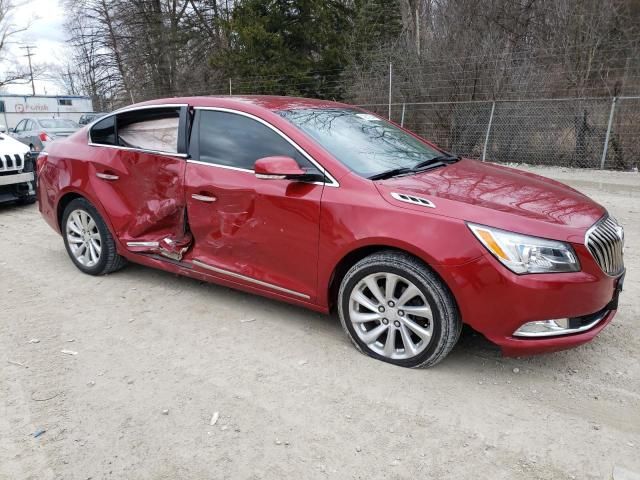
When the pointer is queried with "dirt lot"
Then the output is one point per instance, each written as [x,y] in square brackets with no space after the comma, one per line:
[295,400]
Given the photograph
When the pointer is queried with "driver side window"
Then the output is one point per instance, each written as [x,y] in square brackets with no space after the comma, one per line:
[233,140]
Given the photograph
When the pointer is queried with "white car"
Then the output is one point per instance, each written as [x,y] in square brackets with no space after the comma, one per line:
[17,171]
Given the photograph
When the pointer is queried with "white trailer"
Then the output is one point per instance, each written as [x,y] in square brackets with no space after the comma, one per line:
[14,108]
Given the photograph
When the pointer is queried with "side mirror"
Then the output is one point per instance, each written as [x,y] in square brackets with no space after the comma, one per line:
[277,168]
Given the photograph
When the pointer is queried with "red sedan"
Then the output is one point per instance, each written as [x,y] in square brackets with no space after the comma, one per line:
[330,207]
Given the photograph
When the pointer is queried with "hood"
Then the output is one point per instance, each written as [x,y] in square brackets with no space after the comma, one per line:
[10,146]
[498,196]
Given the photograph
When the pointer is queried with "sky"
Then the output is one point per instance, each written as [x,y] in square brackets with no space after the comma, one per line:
[45,22]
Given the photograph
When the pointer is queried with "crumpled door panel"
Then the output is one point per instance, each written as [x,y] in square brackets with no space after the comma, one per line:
[147,201]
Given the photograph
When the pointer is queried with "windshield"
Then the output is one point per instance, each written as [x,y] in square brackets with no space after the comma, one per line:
[57,123]
[366,144]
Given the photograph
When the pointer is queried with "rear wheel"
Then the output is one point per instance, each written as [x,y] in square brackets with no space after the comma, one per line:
[397,310]
[87,239]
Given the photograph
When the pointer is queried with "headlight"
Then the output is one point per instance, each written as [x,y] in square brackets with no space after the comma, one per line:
[524,254]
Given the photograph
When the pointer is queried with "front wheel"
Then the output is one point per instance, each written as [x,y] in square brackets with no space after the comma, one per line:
[396,310]
[88,240]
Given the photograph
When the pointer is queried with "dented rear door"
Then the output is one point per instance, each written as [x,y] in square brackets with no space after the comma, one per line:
[140,177]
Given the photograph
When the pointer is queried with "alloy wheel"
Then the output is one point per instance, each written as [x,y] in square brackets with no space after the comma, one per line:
[84,238]
[391,315]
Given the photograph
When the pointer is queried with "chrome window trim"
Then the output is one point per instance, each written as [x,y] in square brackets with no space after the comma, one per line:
[131,149]
[141,150]
[206,266]
[264,176]
[332,181]
[238,169]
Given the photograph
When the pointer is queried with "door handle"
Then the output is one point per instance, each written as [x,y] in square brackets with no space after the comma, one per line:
[107,176]
[203,198]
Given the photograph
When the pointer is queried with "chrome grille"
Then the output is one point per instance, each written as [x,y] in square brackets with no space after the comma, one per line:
[11,162]
[605,241]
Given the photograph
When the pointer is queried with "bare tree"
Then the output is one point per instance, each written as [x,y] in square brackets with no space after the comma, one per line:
[13,73]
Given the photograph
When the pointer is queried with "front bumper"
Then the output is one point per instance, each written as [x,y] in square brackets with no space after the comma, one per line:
[17,178]
[19,183]
[497,302]
[25,190]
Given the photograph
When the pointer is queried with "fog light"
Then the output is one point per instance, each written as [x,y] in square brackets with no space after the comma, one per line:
[543,328]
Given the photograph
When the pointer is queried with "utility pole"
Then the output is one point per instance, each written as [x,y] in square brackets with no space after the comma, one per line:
[29,55]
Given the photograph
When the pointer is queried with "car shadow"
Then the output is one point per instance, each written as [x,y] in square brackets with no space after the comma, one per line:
[471,343]
[14,206]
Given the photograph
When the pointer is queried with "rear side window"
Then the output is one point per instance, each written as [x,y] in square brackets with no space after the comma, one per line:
[104,132]
[153,129]
[237,141]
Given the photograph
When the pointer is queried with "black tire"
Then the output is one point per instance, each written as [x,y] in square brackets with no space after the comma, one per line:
[109,261]
[446,324]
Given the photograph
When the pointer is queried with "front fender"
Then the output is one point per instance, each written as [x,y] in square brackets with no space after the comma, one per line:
[439,241]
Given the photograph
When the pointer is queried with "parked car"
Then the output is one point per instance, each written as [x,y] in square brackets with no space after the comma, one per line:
[87,118]
[333,208]
[37,133]
[17,172]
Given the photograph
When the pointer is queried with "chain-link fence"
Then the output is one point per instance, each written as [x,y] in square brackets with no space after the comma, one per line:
[586,133]
[582,133]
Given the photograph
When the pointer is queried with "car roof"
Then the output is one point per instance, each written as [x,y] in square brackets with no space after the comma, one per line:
[269,102]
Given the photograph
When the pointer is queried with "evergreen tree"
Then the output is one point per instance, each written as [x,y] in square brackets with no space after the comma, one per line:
[296,47]
[378,26]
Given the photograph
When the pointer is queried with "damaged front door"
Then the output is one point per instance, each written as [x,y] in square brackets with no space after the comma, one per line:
[259,233]
[142,178]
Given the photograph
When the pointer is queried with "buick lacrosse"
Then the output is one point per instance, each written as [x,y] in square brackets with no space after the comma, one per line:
[333,208]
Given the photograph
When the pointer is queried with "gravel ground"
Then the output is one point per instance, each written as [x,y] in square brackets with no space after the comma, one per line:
[158,355]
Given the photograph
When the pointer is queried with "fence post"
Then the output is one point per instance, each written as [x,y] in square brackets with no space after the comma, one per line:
[486,138]
[230,93]
[390,74]
[606,138]
[402,116]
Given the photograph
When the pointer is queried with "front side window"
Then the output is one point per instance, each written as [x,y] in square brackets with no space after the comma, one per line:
[154,129]
[366,144]
[237,141]
[20,126]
